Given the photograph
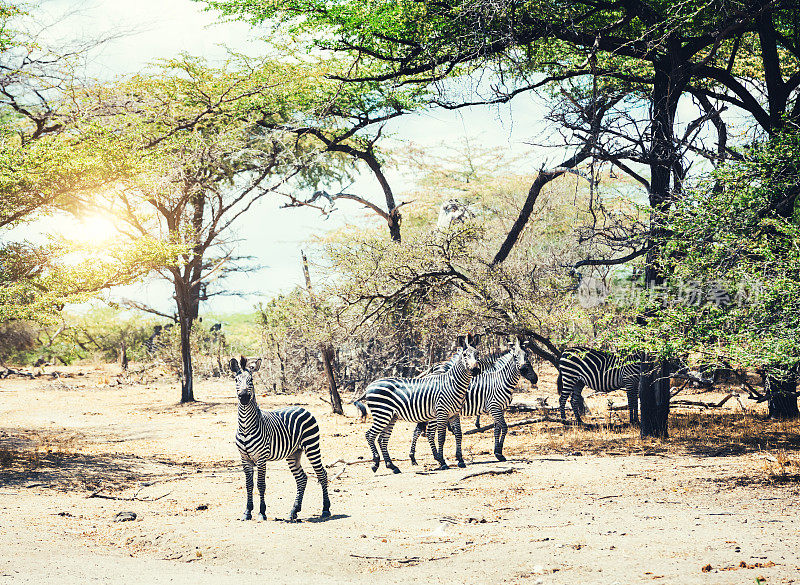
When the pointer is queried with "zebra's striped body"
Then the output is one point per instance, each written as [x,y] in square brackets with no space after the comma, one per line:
[491,392]
[434,398]
[274,435]
[599,370]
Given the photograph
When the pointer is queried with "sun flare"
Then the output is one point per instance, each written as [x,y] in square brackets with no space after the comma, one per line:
[90,229]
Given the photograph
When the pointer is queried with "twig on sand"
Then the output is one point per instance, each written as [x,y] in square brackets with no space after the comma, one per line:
[329,465]
[527,421]
[134,498]
[405,560]
[62,382]
[339,474]
[490,472]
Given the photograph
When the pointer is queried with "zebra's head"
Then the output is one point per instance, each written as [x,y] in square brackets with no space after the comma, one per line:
[467,344]
[523,362]
[243,374]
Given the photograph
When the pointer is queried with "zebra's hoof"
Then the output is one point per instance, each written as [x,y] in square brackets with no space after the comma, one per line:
[293,515]
[462,464]
[325,514]
[500,456]
[246,516]
[375,468]
[413,461]
[442,467]
[394,469]
[262,516]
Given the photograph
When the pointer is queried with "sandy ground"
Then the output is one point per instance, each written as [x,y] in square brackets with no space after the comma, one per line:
[569,506]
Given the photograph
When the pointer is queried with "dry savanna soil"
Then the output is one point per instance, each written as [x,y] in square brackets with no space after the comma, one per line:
[717,503]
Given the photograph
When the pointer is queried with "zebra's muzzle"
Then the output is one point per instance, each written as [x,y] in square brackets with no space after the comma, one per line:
[529,374]
[475,371]
[244,399]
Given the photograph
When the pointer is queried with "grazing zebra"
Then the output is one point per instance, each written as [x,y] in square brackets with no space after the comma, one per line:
[269,436]
[599,370]
[436,398]
[491,392]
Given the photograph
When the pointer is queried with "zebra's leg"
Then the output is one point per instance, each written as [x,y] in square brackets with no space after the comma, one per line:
[430,431]
[301,478]
[500,430]
[441,432]
[418,430]
[262,487]
[383,441]
[563,396]
[314,456]
[372,434]
[311,447]
[478,421]
[247,466]
[455,428]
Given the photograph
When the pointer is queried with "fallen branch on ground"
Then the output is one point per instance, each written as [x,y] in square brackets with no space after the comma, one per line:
[489,472]
[134,498]
[329,465]
[527,421]
[702,404]
[338,475]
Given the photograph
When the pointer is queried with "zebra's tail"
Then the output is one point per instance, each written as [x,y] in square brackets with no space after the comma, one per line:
[582,408]
[362,408]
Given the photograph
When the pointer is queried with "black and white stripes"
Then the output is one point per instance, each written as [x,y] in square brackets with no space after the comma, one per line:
[599,370]
[491,391]
[436,398]
[274,435]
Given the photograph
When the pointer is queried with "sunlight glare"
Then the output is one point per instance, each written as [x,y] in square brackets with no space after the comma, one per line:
[91,229]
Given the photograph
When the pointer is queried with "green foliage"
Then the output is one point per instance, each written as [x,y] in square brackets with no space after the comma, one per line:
[438,283]
[739,232]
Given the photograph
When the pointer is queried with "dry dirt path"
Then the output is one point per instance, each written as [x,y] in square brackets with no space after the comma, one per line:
[556,518]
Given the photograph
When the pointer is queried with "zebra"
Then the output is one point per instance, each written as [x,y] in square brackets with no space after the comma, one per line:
[439,397]
[485,362]
[269,436]
[491,392]
[599,370]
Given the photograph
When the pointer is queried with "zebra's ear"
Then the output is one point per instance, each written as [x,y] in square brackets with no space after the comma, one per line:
[243,361]
[476,339]
[460,341]
[255,365]
[234,366]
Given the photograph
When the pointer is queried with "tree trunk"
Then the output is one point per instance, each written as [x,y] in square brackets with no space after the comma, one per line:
[187,378]
[654,382]
[654,399]
[327,348]
[782,397]
[187,313]
[123,356]
[327,360]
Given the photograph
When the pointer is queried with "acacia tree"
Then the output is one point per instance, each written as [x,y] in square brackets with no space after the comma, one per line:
[730,237]
[661,49]
[204,162]
[46,162]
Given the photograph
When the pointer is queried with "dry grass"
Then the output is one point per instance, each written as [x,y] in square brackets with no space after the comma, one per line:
[781,468]
[703,433]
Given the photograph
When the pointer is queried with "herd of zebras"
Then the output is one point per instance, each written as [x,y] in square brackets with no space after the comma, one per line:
[435,401]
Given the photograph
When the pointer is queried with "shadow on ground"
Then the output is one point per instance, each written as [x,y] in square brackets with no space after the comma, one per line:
[33,458]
